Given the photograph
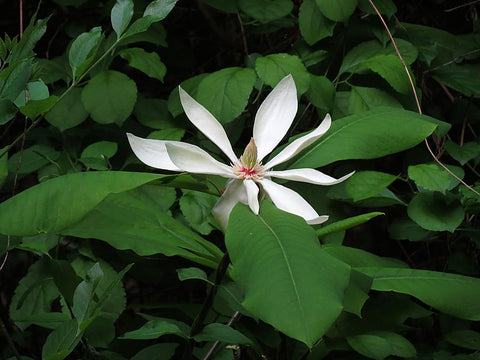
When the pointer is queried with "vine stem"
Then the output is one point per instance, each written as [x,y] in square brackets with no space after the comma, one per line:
[437,160]
[197,324]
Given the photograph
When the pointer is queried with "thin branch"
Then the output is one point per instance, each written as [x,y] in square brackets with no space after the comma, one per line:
[416,98]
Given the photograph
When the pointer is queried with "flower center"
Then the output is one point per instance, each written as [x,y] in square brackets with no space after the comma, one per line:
[248,167]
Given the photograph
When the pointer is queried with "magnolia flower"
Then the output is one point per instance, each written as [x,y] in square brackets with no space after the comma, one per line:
[248,176]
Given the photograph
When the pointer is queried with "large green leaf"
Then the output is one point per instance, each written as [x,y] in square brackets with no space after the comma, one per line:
[305,285]
[463,78]
[225,93]
[55,204]
[452,294]
[139,220]
[381,344]
[109,97]
[367,135]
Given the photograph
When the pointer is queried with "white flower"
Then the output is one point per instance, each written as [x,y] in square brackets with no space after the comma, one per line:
[247,175]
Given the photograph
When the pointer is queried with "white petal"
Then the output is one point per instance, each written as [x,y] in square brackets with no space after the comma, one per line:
[307,175]
[275,116]
[191,158]
[299,144]
[152,152]
[252,195]
[234,193]
[207,124]
[290,201]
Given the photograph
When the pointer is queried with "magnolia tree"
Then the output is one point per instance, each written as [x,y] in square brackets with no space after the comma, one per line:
[128,233]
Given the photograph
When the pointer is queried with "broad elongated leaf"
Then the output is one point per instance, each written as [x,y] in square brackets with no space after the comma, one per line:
[55,204]
[225,93]
[32,34]
[367,135]
[452,294]
[346,223]
[109,97]
[157,327]
[305,285]
[135,221]
[365,184]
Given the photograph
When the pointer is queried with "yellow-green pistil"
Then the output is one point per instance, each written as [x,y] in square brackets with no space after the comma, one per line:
[248,167]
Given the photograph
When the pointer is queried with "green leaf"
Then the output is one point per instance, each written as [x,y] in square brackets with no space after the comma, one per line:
[356,294]
[37,90]
[406,229]
[346,224]
[148,63]
[463,78]
[15,79]
[463,153]
[266,11]
[32,34]
[321,92]
[160,351]
[121,15]
[193,273]
[381,344]
[61,342]
[32,159]
[34,296]
[63,201]
[83,50]
[436,212]
[365,184]
[159,9]
[467,339]
[173,134]
[367,135]
[385,7]
[273,68]
[7,111]
[390,67]
[156,328]
[68,112]
[96,155]
[451,294]
[110,97]
[354,60]
[280,249]
[433,177]
[137,221]
[337,10]
[64,276]
[34,108]
[360,258]
[153,113]
[225,93]
[313,25]
[223,333]
[83,302]
[363,99]
[197,208]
